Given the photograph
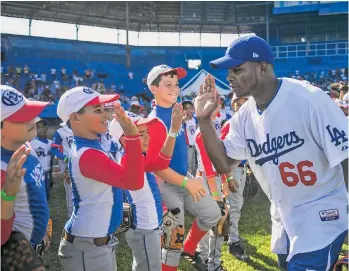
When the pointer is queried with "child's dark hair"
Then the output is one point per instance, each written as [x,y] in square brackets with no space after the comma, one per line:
[2,124]
[158,79]
[81,111]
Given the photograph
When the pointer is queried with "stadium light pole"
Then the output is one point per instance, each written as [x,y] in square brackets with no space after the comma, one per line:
[128,49]
[77,26]
[30,26]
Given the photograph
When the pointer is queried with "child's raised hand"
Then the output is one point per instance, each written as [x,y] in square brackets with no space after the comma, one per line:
[127,125]
[177,117]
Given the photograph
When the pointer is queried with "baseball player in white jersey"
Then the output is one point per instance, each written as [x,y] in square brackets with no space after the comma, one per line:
[88,241]
[236,199]
[210,246]
[144,235]
[64,137]
[295,140]
[178,190]
[190,124]
[42,147]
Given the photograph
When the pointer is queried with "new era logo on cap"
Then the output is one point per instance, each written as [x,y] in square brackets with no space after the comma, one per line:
[16,108]
[76,98]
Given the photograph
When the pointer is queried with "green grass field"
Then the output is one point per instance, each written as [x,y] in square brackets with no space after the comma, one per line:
[254,227]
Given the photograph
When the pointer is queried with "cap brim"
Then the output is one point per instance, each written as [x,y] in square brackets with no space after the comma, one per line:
[181,73]
[28,112]
[147,121]
[225,62]
[102,99]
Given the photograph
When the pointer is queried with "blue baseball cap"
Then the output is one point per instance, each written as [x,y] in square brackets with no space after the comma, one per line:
[245,49]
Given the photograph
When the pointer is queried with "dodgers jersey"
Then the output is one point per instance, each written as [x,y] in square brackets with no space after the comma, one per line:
[97,208]
[189,130]
[31,208]
[295,148]
[179,162]
[42,147]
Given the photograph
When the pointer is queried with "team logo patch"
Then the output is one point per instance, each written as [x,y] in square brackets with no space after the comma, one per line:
[11,98]
[337,137]
[328,215]
[88,90]
[40,152]
[38,175]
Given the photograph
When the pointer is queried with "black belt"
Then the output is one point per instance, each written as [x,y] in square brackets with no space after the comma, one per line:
[191,146]
[100,241]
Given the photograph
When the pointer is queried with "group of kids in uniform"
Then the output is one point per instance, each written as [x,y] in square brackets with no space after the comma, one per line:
[152,175]
[87,146]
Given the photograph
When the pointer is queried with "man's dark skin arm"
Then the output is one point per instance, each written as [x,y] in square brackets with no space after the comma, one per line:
[345,171]
[215,147]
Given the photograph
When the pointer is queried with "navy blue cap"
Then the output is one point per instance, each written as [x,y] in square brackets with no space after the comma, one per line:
[245,49]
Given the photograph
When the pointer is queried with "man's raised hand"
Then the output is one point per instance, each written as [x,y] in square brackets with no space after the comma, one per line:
[207,100]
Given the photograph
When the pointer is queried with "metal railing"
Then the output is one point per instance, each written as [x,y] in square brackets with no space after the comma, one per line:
[310,50]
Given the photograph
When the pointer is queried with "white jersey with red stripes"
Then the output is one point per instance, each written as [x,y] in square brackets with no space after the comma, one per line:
[189,129]
[295,148]
[204,162]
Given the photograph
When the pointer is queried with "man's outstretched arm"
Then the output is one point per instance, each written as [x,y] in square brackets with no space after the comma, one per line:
[215,147]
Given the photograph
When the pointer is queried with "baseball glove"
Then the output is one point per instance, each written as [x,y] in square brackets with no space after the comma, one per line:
[17,254]
[341,264]
[173,236]
[127,218]
[222,227]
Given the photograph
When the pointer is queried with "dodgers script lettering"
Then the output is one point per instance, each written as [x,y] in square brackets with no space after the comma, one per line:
[274,147]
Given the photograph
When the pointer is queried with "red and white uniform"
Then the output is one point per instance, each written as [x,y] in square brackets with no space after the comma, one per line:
[189,129]
[295,148]
[204,163]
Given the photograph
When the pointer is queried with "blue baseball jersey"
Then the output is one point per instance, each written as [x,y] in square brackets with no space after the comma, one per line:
[31,208]
[179,161]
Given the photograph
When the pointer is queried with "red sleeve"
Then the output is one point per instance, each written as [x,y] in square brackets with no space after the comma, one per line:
[96,165]
[225,130]
[157,140]
[206,162]
[157,163]
[6,225]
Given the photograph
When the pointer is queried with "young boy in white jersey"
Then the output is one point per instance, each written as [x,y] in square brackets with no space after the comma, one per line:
[144,235]
[190,125]
[296,143]
[236,199]
[179,189]
[88,239]
[63,137]
[42,147]
[210,246]
[24,208]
